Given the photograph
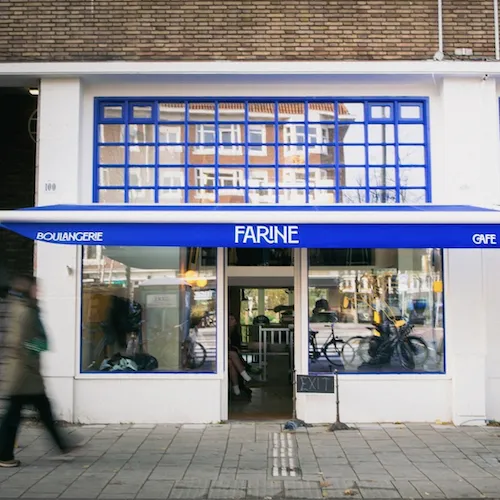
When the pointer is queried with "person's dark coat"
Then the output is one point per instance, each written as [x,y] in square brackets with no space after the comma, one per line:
[24,340]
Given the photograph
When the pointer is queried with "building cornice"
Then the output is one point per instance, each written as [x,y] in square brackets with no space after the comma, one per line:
[272,68]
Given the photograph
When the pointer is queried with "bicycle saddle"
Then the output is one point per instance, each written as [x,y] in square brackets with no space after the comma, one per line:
[313,332]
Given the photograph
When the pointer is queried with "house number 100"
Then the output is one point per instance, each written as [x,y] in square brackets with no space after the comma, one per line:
[50,187]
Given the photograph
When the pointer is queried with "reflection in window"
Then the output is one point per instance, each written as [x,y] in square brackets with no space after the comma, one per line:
[148,309]
[383,306]
[377,151]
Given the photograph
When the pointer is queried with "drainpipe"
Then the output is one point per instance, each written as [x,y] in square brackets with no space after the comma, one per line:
[497,39]
[440,26]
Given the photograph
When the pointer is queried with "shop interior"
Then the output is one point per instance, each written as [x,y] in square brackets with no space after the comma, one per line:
[261,314]
[154,310]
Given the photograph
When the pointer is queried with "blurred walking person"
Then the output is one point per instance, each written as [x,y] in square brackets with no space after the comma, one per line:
[4,290]
[24,341]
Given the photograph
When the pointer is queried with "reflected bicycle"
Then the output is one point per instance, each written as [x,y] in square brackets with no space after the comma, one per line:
[334,349]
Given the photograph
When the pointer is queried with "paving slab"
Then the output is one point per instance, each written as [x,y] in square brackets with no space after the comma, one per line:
[259,489]
[235,461]
[427,489]
[190,489]
[458,489]
[378,489]
[228,489]
[486,486]
[303,489]
[406,489]
[339,488]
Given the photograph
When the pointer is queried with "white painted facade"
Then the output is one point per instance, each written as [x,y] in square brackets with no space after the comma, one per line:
[465,166]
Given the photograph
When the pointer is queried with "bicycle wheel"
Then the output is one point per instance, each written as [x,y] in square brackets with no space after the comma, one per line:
[351,353]
[197,356]
[405,354]
[332,354]
[420,350]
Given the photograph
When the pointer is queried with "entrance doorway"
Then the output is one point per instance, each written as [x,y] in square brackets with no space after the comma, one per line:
[261,303]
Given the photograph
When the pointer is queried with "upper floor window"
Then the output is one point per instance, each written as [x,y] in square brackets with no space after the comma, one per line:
[229,138]
[318,150]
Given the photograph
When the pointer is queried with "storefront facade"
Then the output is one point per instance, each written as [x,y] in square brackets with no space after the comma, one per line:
[260,141]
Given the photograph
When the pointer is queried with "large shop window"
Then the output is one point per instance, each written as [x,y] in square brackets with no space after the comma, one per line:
[294,151]
[376,311]
[149,309]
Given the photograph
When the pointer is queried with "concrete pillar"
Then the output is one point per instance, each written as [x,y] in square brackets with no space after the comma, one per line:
[58,266]
[468,173]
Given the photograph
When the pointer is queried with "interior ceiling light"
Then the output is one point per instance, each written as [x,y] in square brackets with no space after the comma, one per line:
[33,91]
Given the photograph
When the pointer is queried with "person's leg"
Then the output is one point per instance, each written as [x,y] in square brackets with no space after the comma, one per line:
[8,431]
[233,377]
[42,404]
[248,367]
[238,365]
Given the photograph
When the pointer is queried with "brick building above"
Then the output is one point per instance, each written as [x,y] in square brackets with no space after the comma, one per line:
[150,30]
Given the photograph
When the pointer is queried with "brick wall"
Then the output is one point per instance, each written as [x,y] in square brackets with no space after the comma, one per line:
[17,175]
[469,24]
[76,30]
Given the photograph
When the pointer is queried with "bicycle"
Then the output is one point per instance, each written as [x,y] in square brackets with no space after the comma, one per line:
[356,349]
[193,352]
[329,350]
[393,338]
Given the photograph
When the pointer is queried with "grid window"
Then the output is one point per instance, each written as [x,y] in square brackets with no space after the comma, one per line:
[320,151]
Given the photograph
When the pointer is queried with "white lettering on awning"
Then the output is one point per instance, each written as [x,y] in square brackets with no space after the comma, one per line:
[67,236]
[271,235]
[484,239]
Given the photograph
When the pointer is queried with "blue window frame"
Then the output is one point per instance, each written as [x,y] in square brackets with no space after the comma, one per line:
[262,150]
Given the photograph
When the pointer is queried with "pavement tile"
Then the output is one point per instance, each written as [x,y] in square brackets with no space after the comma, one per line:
[228,489]
[303,489]
[404,472]
[466,468]
[11,492]
[192,488]
[427,489]
[119,490]
[375,477]
[396,459]
[6,473]
[231,461]
[339,488]
[162,473]
[81,492]
[202,472]
[486,486]
[406,489]
[339,471]
[378,489]
[28,495]
[261,488]
[458,489]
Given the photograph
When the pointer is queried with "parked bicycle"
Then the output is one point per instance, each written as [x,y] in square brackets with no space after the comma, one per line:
[194,353]
[388,339]
[333,350]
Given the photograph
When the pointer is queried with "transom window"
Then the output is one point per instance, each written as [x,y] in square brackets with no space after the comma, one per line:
[320,151]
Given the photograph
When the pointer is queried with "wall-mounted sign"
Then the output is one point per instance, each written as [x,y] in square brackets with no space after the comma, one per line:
[270,235]
[226,235]
[161,300]
[316,384]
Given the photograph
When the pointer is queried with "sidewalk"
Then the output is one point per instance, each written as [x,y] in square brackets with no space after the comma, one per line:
[243,460]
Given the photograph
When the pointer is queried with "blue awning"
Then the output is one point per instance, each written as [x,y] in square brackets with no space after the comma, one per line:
[261,226]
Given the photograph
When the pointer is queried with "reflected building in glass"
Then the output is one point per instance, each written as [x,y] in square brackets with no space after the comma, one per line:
[263,152]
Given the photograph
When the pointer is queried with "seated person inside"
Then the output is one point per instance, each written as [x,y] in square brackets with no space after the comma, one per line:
[238,367]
